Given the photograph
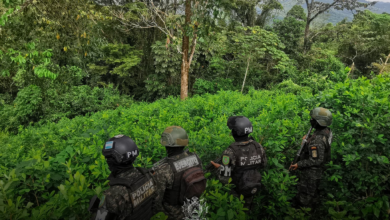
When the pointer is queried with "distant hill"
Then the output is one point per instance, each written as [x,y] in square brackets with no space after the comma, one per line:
[334,16]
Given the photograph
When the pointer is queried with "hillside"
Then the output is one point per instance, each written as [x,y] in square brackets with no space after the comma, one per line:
[334,16]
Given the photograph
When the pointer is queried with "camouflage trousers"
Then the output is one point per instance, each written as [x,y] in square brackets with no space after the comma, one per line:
[308,192]
[173,212]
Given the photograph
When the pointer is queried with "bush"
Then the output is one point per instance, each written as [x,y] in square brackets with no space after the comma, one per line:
[59,165]
[31,105]
[202,86]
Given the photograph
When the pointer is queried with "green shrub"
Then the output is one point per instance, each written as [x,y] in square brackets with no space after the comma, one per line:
[202,86]
[31,105]
[51,161]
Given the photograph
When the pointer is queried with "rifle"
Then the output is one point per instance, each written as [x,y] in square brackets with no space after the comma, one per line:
[211,166]
[298,155]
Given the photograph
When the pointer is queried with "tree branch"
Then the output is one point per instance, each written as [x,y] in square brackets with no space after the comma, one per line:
[323,10]
[192,48]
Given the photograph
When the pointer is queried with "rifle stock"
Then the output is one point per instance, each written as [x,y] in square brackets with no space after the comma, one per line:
[298,155]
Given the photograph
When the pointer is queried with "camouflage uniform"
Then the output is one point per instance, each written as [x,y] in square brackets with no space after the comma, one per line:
[117,198]
[315,154]
[225,179]
[164,177]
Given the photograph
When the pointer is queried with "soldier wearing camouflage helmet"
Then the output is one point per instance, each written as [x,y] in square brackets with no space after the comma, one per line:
[315,154]
[241,161]
[132,190]
[179,176]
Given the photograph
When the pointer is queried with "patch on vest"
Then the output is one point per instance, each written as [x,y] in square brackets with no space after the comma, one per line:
[252,160]
[225,160]
[142,193]
[186,163]
[314,152]
[254,190]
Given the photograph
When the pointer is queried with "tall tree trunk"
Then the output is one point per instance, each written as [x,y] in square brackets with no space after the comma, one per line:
[306,39]
[307,29]
[246,72]
[185,65]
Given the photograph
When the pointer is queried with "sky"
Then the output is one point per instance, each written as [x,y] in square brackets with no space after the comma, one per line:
[380,0]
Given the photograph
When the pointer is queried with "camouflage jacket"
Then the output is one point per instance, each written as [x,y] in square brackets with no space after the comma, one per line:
[232,157]
[117,198]
[315,153]
[164,177]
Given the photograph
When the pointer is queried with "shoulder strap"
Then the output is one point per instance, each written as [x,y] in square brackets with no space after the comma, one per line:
[126,182]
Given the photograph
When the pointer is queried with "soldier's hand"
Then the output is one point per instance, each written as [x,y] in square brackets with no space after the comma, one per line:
[293,166]
[216,165]
[304,137]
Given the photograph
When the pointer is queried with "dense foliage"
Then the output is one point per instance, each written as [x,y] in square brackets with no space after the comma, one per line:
[59,166]
[73,73]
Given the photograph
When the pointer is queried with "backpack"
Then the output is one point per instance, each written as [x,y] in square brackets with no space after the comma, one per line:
[246,177]
[249,183]
[193,183]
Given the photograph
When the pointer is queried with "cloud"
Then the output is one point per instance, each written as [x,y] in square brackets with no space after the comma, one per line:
[379,1]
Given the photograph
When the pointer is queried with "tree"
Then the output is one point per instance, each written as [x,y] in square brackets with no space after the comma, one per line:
[290,29]
[366,40]
[266,11]
[315,8]
[199,17]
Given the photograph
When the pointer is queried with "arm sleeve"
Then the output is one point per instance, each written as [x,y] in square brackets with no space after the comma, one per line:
[314,160]
[164,179]
[117,201]
[232,162]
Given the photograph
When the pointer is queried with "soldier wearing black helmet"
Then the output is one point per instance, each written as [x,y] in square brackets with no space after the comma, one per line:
[315,154]
[180,175]
[132,190]
[241,160]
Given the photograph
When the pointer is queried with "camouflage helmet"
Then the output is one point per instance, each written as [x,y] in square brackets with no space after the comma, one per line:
[174,136]
[322,115]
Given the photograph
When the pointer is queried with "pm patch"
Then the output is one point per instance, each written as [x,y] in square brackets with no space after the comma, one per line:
[225,160]
[109,145]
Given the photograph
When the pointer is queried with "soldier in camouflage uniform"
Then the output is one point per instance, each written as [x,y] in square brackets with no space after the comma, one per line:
[132,190]
[315,154]
[169,170]
[241,161]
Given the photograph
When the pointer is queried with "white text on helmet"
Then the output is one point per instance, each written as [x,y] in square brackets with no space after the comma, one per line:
[249,129]
[132,153]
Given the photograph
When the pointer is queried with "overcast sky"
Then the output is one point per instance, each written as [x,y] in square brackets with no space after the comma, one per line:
[379,0]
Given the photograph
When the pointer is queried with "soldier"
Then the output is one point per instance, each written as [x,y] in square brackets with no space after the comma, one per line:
[315,154]
[241,160]
[131,191]
[180,175]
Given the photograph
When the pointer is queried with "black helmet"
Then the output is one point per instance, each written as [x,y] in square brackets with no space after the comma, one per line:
[240,125]
[121,148]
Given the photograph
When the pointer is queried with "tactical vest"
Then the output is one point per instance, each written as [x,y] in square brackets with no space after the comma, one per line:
[179,166]
[142,191]
[326,133]
[248,157]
